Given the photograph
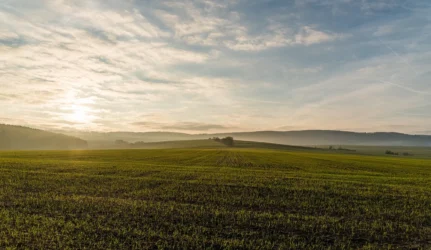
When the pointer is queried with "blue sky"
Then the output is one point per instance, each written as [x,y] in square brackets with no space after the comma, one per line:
[211,66]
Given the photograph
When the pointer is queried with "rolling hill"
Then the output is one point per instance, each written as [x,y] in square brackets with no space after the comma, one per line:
[330,137]
[210,144]
[23,138]
[301,138]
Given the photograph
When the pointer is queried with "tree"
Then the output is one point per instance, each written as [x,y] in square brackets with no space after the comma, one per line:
[228,141]
[389,152]
[121,143]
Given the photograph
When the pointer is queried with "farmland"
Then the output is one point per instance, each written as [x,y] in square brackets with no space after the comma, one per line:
[234,198]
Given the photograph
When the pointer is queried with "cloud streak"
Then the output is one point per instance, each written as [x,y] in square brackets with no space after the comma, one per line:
[214,66]
[183,126]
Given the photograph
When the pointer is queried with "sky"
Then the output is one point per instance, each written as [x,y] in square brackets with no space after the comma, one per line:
[203,66]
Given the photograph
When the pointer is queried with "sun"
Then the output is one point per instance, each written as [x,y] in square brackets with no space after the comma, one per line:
[79,114]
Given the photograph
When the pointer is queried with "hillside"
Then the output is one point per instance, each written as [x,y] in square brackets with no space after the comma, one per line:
[206,144]
[23,138]
[132,136]
[302,138]
[329,137]
[172,144]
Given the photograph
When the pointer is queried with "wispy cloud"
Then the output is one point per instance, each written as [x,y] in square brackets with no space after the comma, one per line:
[214,66]
[182,126]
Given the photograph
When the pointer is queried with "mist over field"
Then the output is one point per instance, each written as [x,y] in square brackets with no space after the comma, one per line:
[304,138]
[22,138]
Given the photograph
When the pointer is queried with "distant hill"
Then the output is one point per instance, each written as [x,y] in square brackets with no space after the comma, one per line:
[131,136]
[205,143]
[300,138]
[330,137]
[266,145]
[180,144]
[23,138]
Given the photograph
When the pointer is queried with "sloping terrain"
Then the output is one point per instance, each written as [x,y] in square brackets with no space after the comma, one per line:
[328,137]
[304,138]
[180,144]
[23,138]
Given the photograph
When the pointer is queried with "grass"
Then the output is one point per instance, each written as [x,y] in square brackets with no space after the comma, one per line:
[416,152]
[233,198]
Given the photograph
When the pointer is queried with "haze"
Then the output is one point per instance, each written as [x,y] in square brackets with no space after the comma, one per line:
[216,66]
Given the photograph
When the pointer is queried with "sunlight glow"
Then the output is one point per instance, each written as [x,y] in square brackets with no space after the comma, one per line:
[79,114]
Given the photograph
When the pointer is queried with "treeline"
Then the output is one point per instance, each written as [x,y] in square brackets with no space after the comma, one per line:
[341,149]
[389,152]
[228,141]
[125,144]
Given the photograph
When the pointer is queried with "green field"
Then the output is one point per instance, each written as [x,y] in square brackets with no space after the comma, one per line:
[414,152]
[238,198]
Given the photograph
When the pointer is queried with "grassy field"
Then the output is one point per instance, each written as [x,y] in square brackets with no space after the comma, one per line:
[414,152]
[236,198]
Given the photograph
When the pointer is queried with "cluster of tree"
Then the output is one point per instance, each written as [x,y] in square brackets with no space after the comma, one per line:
[228,141]
[125,144]
[389,152]
[122,143]
[341,149]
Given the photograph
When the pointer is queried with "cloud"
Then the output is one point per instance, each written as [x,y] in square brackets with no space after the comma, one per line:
[309,36]
[218,26]
[182,126]
[104,65]
[372,6]
[384,30]
[287,128]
